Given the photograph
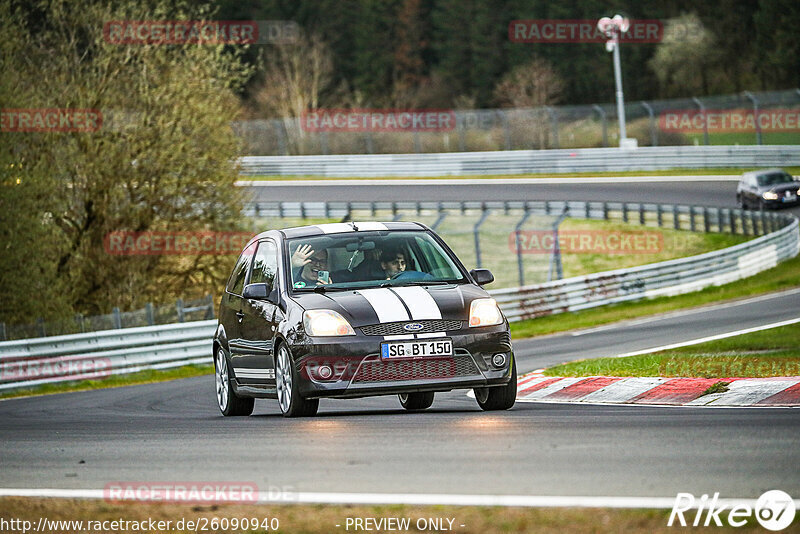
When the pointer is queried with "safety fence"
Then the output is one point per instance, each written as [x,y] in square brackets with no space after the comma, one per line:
[524,161]
[181,312]
[32,362]
[768,117]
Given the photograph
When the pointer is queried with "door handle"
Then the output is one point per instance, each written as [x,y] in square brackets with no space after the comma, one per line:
[240,316]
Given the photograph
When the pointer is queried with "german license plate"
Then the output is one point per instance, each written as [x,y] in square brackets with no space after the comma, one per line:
[790,198]
[417,348]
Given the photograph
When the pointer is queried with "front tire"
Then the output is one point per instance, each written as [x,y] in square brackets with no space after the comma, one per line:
[416,401]
[289,399]
[229,403]
[499,398]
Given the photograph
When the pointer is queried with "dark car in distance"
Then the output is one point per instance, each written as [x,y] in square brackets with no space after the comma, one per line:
[350,310]
[770,188]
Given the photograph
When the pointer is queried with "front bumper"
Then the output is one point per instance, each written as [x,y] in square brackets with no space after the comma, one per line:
[359,371]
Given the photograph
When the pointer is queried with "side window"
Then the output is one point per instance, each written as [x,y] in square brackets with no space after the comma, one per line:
[265,264]
[236,281]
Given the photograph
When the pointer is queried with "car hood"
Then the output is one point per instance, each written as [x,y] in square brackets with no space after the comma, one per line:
[363,307]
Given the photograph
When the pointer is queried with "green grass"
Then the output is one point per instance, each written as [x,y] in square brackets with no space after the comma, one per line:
[113,381]
[773,352]
[784,276]
[666,172]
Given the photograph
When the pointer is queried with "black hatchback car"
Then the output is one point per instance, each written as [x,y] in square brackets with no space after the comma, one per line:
[358,309]
[770,188]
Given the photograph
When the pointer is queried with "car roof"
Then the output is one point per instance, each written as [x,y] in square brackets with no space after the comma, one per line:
[338,228]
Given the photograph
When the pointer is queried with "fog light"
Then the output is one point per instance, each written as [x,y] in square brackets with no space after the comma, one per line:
[499,360]
[325,372]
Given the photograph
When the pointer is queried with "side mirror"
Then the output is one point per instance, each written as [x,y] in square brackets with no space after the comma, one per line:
[482,276]
[256,291]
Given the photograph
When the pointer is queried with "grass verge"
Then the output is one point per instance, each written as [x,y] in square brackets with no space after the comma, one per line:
[666,172]
[773,352]
[784,276]
[114,381]
[309,519]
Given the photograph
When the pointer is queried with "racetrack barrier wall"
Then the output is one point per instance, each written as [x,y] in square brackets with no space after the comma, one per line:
[523,161]
[157,347]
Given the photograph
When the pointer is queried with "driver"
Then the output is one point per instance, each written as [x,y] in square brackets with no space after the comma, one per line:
[393,261]
[306,265]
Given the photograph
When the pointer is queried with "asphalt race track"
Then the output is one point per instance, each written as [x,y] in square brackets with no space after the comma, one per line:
[714,193]
[174,432]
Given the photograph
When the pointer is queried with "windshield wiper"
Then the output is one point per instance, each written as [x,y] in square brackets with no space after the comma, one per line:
[425,283]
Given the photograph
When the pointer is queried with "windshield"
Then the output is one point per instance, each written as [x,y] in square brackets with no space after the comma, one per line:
[370,259]
[775,178]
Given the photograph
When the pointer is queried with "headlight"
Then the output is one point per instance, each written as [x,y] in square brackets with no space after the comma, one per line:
[484,312]
[326,323]
[769,195]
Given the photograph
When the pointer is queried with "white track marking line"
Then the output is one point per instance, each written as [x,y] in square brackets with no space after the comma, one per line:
[710,338]
[537,501]
[488,181]
[683,313]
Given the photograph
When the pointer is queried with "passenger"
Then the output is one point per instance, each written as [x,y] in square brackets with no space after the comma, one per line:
[306,265]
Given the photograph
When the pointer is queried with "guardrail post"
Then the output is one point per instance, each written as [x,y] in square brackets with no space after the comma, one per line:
[555,258]
[148,311]
[368,143]
[3,332]
[692,226]
[641,214]
[676,220]
[587,211]
[750,96]
[506,130]
[79,322]
[753,223]
[117,318]
[280,133]
[732,219]
[653,134]
[706,223]
[323,139]
[604,120]
[417,143]
[624,212]
[547,207]
[554,124]
[210,312]
[659,216]
[302,210]
[763,224]
[440,218]
[476,233]
[179,308]
[462,141]
[520,266]
[743,219]
[605,210]
[705,121]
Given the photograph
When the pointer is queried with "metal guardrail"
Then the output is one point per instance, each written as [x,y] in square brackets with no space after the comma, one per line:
[523,161]
[31,362]
[95,355]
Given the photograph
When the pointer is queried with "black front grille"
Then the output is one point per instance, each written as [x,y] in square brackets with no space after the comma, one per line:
[428,326]
[419,369]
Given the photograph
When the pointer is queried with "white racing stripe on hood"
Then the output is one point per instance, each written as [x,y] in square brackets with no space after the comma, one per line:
[420,303]
[386,304]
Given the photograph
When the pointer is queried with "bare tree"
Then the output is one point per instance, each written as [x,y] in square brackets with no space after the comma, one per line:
[533,85]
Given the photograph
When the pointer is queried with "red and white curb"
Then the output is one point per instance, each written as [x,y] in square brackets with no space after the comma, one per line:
[777,391]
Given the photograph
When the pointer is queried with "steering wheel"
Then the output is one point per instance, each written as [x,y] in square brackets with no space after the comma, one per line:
[411,275]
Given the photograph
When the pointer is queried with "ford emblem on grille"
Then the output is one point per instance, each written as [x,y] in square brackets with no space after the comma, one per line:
[412,327]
